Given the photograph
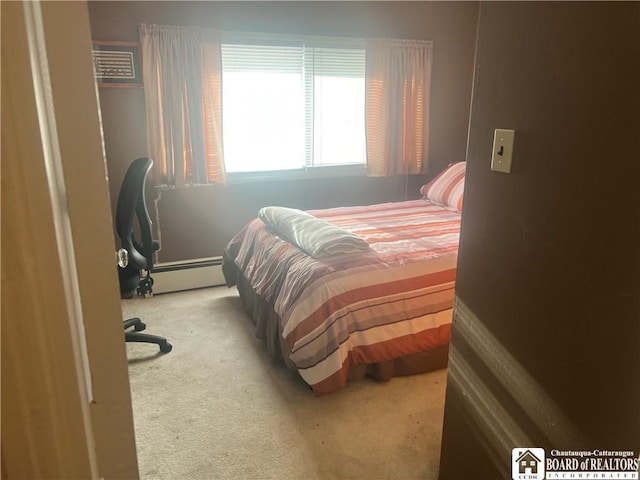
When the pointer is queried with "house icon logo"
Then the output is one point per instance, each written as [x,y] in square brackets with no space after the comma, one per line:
[527,464]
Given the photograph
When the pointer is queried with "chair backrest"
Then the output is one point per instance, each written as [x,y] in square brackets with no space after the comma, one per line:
[131,205]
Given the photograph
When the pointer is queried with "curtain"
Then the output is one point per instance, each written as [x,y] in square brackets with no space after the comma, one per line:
[397,82]
[182,70]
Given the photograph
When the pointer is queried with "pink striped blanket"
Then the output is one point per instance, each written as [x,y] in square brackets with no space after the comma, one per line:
[391,300]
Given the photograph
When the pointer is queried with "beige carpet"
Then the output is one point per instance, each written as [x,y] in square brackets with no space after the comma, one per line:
[218,407]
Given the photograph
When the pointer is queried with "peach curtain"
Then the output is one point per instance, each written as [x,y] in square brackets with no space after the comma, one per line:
[398,78]
[182,70]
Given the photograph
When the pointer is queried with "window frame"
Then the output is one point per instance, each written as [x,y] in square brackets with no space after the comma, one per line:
[306,171]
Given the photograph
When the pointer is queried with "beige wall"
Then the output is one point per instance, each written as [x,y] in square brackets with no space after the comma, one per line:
[547,347]
[198,222]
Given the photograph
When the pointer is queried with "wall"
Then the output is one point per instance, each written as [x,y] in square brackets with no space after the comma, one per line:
[198,222]
[546,328]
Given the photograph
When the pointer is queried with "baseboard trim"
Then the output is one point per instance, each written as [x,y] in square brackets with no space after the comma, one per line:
[187,275]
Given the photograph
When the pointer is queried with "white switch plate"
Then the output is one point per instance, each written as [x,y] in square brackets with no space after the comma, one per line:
[502,150]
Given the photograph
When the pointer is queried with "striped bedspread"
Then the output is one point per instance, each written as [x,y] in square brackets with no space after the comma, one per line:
[337,311]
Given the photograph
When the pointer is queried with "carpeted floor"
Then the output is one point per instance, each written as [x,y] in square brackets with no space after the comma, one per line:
[218,407]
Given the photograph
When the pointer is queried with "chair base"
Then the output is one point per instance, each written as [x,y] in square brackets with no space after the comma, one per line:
[136,336]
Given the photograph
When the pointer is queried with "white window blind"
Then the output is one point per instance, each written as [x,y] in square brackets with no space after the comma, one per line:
[291,104]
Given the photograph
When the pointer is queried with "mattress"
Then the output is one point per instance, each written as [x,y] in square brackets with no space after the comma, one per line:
[337,313]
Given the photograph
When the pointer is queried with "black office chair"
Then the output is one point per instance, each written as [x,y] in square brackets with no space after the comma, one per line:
[139,255]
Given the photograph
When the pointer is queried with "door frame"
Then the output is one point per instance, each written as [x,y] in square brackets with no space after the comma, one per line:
[66,402]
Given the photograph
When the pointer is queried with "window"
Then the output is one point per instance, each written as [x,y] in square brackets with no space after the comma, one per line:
[292,105]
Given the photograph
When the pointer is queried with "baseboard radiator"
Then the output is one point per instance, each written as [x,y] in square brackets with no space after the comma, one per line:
[187,275]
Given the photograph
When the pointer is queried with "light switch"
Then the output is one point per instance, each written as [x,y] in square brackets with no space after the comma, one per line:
[502,150]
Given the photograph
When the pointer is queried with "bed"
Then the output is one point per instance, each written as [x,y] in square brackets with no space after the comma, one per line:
[381,308]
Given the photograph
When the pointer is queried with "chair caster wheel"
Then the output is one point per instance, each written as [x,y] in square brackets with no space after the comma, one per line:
[139,327]
[166,347]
